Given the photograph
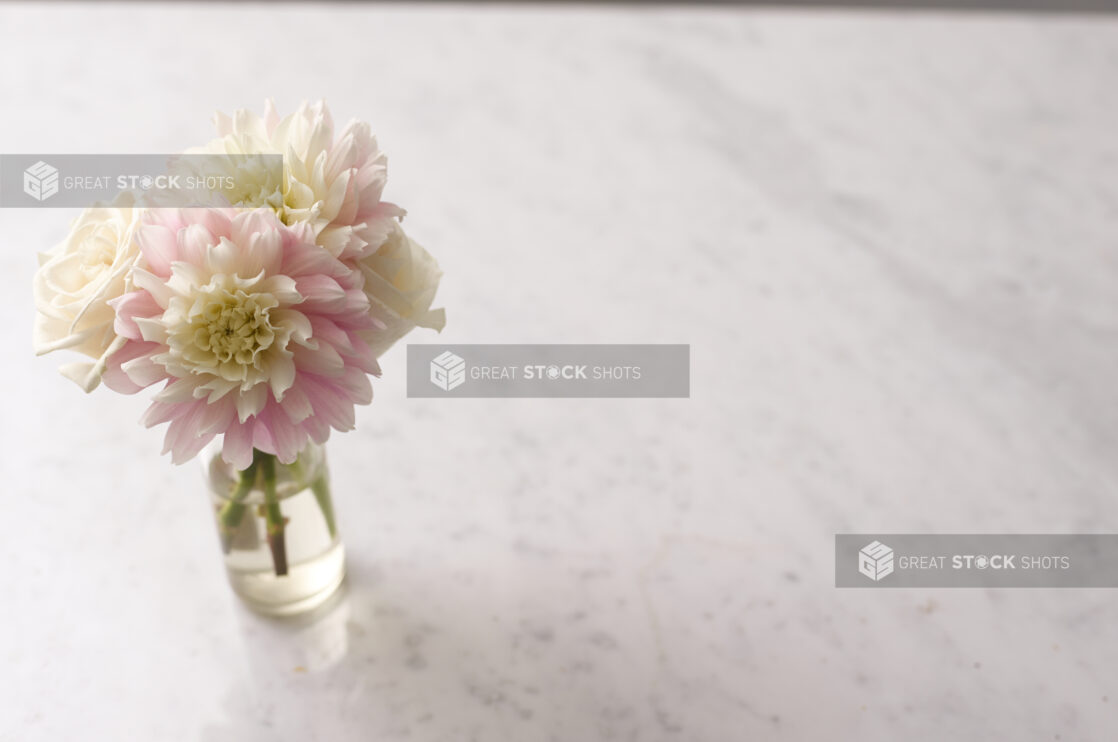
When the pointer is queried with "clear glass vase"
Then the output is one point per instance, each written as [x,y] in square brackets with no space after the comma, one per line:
[276,526]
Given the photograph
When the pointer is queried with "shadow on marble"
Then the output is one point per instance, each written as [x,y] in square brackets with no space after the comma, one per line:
[360,664]
[390,662]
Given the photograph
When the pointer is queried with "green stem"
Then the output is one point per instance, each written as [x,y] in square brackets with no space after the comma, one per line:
[272,513]
[233,511]
[321,489]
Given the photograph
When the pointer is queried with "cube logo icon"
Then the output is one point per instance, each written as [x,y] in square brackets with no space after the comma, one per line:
[448,371]
[875,561]
[40,181]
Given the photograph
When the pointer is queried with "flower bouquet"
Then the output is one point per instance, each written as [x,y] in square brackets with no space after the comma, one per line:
[259,317]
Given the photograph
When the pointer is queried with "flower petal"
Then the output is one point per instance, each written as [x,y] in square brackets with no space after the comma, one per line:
[236,448]
[252,401]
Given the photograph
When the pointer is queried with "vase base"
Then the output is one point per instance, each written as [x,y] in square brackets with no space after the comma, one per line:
[306,586]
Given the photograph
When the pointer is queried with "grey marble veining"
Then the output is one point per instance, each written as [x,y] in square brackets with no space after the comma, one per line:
[891,243]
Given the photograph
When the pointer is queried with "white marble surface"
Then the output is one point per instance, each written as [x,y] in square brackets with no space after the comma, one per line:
[891,242]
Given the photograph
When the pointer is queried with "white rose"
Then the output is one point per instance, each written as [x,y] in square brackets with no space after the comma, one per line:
[400,280]
[75,282]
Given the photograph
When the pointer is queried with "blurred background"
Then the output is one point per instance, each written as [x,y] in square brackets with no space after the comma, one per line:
[888,235]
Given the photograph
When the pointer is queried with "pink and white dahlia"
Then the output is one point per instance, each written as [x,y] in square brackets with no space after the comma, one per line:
[254,330]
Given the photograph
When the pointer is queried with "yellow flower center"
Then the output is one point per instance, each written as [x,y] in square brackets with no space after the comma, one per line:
[229,331]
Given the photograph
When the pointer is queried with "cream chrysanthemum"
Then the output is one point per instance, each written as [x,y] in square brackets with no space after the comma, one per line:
[335,186]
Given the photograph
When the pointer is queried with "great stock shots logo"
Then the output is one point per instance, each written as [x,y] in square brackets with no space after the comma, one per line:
[539,370]
[59,181]
[875,561]
[982,560]
[448,371]
[40,181]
